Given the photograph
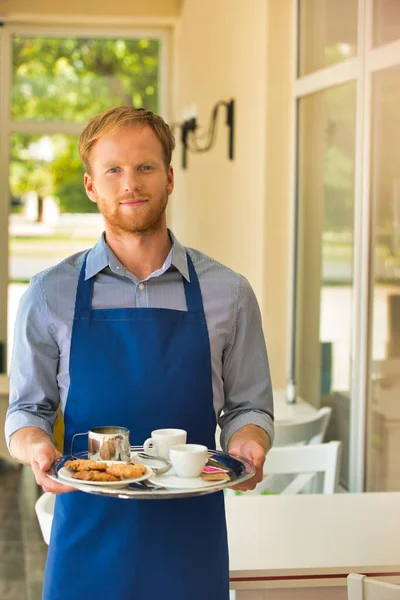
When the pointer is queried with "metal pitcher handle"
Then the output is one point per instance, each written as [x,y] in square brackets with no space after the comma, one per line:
[72,442]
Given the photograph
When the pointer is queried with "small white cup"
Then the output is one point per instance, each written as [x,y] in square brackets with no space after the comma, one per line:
[162,440]
[188,460]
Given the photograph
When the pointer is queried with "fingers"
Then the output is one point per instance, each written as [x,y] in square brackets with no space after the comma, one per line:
[235,450]
[42,457]
[249,449]
[252,451]
[48,484]
[259,462]
[256,454]
[250,484]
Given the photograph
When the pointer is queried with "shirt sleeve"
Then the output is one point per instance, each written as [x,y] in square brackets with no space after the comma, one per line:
[245,371]
[34,394]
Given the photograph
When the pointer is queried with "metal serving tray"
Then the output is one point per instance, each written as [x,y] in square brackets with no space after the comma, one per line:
[239,469]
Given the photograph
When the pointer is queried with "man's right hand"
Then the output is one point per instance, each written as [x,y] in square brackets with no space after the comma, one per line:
[32,446]
[43,455]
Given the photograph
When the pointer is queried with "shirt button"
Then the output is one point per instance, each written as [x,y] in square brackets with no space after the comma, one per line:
[141,286]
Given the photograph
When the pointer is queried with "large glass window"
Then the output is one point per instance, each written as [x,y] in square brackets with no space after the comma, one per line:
[52,217]
[383,433]
[386,21]
[327,33]
[347,301]
[67,80]
[57,85]
[72,79]
[326,156]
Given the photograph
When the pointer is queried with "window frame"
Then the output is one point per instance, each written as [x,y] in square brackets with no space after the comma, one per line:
[359,69]
[102,27]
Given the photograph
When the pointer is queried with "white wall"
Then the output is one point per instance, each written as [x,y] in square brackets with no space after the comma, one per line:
[219,206]
[238,212]
[133,8]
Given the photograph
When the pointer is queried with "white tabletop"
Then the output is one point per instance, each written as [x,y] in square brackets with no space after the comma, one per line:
[299,411]
[313,534]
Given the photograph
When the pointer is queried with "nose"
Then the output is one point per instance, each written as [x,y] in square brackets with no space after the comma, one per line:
[131,182]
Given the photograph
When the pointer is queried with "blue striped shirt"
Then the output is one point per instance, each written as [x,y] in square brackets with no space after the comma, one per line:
[39,375]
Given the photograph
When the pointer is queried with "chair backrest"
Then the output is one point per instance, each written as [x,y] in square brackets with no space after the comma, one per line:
[360,587]
[311,431]
[44,509]
[307,462]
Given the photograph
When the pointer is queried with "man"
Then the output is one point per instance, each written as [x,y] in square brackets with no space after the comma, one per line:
[142,333]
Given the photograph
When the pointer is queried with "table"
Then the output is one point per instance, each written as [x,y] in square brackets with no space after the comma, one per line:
[290,547]
[284,412]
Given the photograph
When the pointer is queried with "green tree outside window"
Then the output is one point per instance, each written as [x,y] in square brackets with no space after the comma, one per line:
[72,79]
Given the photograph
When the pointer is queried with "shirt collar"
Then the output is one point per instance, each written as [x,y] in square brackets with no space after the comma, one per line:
[99,258]
[179,257]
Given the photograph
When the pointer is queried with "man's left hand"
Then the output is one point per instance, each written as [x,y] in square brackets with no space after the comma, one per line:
[252,443]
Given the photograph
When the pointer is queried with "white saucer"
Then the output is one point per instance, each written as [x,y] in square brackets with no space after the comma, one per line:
[170,480]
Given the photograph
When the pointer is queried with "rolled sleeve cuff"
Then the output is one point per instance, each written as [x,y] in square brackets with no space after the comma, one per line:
[249,418]
[20,419]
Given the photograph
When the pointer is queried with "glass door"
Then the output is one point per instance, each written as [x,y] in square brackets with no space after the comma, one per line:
[383,425]
[326,180]
[326,100]
[347,333]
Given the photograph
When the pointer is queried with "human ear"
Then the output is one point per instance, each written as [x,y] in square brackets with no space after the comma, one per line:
[89,187]
[170,180]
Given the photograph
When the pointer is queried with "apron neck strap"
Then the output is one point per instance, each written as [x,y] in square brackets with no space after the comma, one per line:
[84,291]
[194,300]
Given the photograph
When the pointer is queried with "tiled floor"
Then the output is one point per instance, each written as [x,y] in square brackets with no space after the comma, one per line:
[22,549]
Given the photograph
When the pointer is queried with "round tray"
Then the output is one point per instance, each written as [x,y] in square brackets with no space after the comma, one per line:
[240,469]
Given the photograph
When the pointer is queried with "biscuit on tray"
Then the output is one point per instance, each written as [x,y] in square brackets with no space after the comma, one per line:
[127,470]
[81,464]
[91,470]
[94,476]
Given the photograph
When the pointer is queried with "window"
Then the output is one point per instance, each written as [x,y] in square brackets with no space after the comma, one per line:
[347,330]
[58,82]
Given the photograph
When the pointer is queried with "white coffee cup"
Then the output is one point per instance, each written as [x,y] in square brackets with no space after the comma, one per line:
[162,440]
[188,460]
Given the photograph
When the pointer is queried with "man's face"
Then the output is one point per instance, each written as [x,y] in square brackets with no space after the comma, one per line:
[129,180]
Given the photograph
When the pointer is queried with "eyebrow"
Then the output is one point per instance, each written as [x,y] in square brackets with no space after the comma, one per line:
[115,163]
[110,163]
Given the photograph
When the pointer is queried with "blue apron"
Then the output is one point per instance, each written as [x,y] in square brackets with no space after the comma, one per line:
[144,369]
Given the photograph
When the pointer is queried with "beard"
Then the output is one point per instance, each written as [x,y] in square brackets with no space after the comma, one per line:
[144,218]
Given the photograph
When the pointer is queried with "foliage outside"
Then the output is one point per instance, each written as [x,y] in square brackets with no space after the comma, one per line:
[72,79]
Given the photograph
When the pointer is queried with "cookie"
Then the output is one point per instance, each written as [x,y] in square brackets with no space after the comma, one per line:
[127,470]
[95,476]
[81,464]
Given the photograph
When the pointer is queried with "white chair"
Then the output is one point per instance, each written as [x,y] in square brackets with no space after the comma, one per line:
[360,587]
[317,463]
[311,431]
[315,469]
[44,510]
